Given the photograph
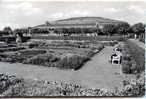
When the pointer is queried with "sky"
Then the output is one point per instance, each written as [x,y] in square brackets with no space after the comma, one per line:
[25,13]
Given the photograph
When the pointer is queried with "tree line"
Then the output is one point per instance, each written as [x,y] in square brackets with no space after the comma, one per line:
[107,29]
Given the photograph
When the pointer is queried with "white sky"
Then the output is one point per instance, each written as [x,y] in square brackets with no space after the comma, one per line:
[24,13]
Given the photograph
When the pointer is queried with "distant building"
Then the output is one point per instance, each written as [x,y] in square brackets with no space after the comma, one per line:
[77,22]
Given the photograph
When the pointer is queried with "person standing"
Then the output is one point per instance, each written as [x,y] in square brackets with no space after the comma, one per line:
[18,38]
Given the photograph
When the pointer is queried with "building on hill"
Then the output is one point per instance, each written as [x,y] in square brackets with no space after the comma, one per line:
[78,25]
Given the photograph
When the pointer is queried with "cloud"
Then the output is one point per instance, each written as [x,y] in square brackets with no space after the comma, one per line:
[78,13]
[137,9]
[74,13]
[33,13]
[13,25]
[57,15]
[25,7]
[113,10]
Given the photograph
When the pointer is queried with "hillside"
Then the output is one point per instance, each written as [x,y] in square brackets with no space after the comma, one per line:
[79,21]
[85,20]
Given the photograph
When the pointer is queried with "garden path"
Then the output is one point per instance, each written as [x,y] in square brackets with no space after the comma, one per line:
[96,73]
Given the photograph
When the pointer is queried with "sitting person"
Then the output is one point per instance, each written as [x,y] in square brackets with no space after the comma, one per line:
[116,57]
[117,49]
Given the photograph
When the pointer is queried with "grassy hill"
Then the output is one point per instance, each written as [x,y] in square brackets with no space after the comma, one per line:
[86,20]
[79,21]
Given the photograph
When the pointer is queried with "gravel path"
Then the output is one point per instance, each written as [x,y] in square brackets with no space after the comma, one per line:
[96,73]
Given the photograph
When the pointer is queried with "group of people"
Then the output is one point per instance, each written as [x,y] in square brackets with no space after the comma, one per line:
[116,56]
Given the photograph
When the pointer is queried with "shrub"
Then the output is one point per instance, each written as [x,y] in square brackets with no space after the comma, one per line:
[11,49]
[31,52]
[138,55]
[43,59]
[25,87]
[79,38]
[72,62]
[126,67]
[133,58]
[142,40]
[20,56]
[6,81]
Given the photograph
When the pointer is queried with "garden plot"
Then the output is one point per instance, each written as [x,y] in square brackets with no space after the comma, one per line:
[90,76]
[64,54]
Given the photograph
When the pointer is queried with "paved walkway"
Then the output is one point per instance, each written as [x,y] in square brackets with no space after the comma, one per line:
[97,73]
[140,44]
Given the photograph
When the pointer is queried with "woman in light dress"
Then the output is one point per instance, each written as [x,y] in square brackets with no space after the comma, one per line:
[18,38]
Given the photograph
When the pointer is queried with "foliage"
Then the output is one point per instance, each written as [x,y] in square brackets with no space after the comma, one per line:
[122,28]
[40,31]
[108,29]
[133,58]
[11,49]
[43,59]
[72,62]
[7,30]
[142,40]
[20,56]
[138,28]
[138,54]
[25,87]
[6,81]
[80,38]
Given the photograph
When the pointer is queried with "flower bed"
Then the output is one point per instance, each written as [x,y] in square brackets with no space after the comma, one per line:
[24,87]
[11,49]
[79,38]
[20,56]
[50,60]
[39,53]
[72,62]
[6,81]
[133,58]
[67,59]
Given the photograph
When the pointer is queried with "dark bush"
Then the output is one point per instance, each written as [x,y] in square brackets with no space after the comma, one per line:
[43,59]
[133,58]
[126,67]
[11,49]
[72,62]
[138,55]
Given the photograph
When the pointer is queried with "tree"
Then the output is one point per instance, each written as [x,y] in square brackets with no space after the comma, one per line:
[108,29]
[122,28]
[78,30]
[19,32]
[47,23]
[7,30]
[138,28]
[89,30]
[71,30]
